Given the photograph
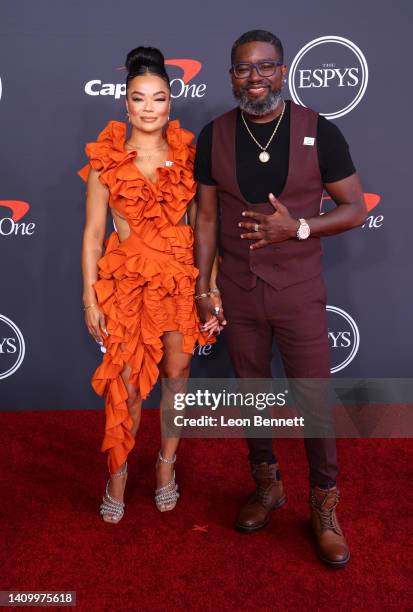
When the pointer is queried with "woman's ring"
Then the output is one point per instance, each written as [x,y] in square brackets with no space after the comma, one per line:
[217,310]
[256,228]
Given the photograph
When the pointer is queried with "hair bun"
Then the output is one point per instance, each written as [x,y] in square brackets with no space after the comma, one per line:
[144,56]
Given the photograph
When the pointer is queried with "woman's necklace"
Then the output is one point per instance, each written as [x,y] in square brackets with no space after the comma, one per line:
[142,151]
[264,156]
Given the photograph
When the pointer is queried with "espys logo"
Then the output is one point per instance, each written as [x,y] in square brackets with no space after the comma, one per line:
[12,347]
[181,87]
[371,199]
[329,74]
[11,225]
[344,337]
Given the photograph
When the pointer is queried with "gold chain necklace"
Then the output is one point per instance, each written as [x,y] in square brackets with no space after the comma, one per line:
[141,152]
[162,146]
[264,156]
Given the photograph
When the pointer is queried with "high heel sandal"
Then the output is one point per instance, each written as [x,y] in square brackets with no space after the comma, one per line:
[167,496]
[112,508]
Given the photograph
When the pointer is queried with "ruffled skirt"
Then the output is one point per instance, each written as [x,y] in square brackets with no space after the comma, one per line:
[143,293]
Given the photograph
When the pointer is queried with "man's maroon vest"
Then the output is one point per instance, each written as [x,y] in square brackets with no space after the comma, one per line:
[288,262]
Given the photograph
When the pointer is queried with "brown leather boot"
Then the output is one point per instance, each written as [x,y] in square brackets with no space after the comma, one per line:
[268,496]
[332,547]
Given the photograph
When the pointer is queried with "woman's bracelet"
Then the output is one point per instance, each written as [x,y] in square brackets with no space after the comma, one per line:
[210,292]
[90,306]
[201,296]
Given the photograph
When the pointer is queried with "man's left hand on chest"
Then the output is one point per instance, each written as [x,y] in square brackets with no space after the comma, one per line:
[269,229]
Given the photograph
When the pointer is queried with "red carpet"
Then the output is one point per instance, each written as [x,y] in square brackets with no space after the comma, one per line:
[53,476]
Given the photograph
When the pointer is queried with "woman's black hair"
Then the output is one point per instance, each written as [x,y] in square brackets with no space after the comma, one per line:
[145,60]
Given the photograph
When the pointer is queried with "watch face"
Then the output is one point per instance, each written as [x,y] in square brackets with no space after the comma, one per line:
[303,231]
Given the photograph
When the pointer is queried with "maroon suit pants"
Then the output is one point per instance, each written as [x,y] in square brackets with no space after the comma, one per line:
[296,318]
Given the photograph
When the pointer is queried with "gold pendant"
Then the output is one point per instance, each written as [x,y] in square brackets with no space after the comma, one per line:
[264,156]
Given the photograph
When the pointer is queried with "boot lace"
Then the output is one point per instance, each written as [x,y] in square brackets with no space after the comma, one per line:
[328,518]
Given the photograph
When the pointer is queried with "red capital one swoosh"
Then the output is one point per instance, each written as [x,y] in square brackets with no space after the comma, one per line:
[18,208]
[189,67]
[371,200]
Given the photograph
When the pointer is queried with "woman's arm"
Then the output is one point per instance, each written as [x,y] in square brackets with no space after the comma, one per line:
[214,273]
[214,323]
[192,212]
[97,198]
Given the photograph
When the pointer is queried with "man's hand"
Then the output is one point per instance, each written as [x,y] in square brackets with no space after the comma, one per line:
[218,310]
[273,228]
[211,321]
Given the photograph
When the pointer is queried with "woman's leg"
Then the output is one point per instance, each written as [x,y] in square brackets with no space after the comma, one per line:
[174,370]
[134,401]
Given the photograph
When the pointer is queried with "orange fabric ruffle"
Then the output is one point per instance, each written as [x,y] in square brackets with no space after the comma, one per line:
[139,276]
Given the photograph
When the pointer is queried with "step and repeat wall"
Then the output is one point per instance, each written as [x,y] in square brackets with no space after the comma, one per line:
[62,79]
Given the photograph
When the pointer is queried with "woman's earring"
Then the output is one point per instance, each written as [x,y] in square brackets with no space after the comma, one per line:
[128,117]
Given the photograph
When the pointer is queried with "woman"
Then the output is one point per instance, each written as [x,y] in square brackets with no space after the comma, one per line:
[139,297]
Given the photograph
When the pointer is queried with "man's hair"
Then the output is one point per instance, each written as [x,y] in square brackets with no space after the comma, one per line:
[258,36]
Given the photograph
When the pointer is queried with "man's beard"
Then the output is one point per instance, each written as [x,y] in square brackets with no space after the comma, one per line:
[258,107]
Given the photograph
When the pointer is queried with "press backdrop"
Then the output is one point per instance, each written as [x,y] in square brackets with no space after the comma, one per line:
[61,80]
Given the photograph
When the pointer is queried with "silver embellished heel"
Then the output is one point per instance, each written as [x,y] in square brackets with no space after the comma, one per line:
[167,496]
[112,509]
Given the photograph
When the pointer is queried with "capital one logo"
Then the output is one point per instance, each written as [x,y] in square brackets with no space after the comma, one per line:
[182,86]
[344,338]
[12,347]
[372,200]
[11,213]
[202,350]
[329,74]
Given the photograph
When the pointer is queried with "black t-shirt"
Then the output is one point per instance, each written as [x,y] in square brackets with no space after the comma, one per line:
[256,179]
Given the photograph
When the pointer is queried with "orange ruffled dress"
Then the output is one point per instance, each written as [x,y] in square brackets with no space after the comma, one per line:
[146,283]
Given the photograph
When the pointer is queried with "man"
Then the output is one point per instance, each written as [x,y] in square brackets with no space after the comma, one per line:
[262,168]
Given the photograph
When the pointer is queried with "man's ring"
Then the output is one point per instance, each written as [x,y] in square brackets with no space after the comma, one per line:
[256,228]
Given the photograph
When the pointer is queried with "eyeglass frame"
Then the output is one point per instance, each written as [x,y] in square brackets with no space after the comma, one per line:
[275,64]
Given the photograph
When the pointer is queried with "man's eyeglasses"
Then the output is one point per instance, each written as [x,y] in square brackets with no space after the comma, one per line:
[265,68]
